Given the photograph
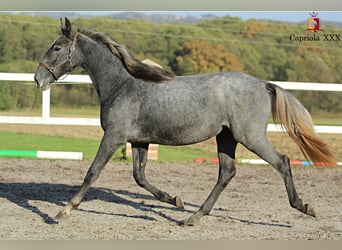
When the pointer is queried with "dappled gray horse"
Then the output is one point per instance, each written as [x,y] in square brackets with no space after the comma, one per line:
[143,104]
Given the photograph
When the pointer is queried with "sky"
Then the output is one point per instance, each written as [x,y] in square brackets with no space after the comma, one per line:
[288,16]
[291,16]
[176,5]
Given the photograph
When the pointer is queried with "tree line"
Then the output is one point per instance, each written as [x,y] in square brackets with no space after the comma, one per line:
[257,47]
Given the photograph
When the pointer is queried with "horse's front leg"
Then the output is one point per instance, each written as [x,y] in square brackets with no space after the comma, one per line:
[139,153]
[108,146]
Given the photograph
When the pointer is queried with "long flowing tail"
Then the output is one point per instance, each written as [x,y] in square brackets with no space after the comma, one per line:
[297,122]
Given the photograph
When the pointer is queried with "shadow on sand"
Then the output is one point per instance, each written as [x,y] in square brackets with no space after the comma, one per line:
[22,193]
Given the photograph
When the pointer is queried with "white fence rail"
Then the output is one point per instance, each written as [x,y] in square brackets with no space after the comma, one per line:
[84,79]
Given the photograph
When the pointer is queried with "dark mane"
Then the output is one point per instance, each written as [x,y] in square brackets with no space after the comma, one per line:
[135,67]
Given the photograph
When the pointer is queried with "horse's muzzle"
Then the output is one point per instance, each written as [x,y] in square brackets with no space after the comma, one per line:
[41,84]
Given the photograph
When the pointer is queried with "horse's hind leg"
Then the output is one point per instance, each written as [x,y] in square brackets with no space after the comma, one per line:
[282,164]
[139,153]
[226,146]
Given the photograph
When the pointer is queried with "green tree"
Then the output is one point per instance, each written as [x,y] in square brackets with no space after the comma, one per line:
[252,29]
[274,62]
[6,102]
[11,45]
[252,58]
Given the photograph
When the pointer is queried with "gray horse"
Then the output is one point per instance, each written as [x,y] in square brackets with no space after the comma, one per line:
[143,104]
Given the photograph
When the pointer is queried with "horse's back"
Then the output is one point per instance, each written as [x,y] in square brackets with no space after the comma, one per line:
[233,92]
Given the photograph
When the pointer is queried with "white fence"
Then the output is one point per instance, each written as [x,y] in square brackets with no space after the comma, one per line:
[84,79]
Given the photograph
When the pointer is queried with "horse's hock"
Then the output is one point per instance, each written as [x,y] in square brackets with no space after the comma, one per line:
[152,151]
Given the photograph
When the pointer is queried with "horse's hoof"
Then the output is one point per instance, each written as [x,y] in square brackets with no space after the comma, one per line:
[191,221]
[62,215]
[179,202]
[310,211]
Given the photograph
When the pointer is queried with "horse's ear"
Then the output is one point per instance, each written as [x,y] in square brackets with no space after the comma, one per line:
[66,28]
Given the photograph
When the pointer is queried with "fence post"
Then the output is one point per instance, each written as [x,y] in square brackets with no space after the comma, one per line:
[46,103]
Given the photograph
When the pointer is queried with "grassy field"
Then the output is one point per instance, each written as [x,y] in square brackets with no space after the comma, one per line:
[63,138]
[87,139]
[20,141]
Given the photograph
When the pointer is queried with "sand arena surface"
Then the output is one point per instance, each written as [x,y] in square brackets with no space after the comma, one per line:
[254,205]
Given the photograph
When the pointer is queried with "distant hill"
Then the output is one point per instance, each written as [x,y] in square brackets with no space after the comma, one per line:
[152,17]
[164,18]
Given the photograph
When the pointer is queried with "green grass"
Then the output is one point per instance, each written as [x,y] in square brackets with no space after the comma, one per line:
[182,153]
[19,141]
[327,121]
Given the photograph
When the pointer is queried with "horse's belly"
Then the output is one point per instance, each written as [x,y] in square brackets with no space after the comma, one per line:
[181,132]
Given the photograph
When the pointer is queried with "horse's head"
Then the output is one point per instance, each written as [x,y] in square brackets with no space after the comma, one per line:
[60,58]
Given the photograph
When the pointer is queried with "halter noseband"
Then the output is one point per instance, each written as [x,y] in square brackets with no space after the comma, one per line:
[52,69]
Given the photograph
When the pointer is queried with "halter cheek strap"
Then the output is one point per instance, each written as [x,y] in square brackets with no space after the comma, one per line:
[52,69]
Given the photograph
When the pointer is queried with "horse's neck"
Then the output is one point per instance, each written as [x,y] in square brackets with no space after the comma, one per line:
[105,70]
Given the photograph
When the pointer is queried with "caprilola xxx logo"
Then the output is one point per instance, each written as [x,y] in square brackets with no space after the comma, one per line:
[313,22]
[315,32]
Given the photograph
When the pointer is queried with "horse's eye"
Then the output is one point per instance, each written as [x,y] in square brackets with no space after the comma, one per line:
[56,48]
